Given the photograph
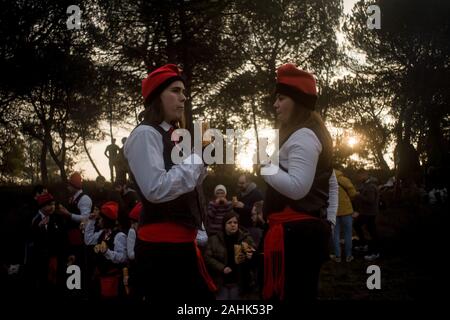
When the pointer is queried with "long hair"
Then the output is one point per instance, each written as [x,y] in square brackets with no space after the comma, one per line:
[154,113]
[305,118]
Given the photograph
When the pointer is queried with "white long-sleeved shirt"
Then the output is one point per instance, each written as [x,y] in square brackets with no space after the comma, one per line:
[202,236]
[299,155]
[119,254]
[84,205]
[333,199]
[144,152]
[131,241]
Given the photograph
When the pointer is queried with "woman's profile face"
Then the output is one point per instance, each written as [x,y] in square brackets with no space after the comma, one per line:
[173,99]
[284,107]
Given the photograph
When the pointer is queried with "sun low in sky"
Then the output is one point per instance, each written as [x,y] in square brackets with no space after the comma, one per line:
[352,141]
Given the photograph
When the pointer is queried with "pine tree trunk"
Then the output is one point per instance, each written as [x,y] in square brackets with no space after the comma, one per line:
[255,125]
[43,164]
[90,158]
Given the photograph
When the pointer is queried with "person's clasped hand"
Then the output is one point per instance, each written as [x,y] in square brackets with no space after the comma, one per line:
[227,270]
[248,250]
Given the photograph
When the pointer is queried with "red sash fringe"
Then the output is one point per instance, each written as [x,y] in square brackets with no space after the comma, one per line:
[274,261]
[203,271]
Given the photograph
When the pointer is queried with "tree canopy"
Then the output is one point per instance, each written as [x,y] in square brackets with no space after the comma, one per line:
[58,85]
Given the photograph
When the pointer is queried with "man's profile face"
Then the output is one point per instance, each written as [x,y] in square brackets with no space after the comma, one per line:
[71,189]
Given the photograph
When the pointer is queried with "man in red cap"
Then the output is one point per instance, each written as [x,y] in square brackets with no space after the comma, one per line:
[78,211]
[170,264]
[297,198]
[49,245]
[80,207]
[110,247]
[80,204]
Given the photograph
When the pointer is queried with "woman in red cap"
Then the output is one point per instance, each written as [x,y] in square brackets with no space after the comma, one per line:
[296,243]
[169,263]
[110,246]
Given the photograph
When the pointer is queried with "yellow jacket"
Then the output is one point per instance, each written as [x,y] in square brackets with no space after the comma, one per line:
[346,192]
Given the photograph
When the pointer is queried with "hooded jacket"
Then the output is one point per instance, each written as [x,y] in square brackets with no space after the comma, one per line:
[347,192]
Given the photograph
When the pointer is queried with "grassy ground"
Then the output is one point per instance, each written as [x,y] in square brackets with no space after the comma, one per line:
[411,263]
[400,280]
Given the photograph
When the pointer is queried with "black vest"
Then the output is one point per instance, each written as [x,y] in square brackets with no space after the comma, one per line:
[315,202]
[73,208]
[186,209]
[105,266]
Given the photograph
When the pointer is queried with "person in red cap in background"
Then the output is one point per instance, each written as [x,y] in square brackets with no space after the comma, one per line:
[296,243]
[130,275]
[78,211]
[110,247]
[169,264]
[80,207]
[49,247]
[131,238]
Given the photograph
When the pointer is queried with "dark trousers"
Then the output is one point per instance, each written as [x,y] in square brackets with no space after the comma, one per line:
[81,260]
[306,246]
[43,287]
[168,272]
[121,174]
[369,222]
